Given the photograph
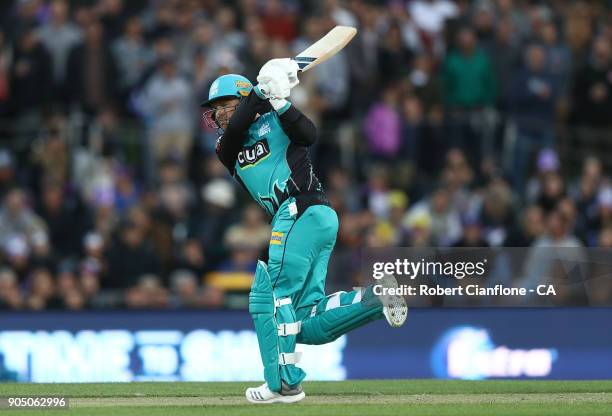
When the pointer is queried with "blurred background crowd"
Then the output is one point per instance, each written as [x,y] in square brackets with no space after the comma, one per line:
[444,123]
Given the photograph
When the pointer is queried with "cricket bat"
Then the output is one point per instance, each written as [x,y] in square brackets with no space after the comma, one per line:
[325,48]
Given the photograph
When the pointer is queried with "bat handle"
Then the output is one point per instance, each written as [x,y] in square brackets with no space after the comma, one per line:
[299,70]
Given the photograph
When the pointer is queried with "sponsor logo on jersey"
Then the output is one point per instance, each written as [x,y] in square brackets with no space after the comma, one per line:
[251,155]
[264,129]
[277,238]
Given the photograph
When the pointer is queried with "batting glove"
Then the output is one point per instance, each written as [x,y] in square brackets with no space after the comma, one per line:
[288,66]
[277,77]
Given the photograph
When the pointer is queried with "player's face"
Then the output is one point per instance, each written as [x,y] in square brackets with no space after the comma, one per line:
[223,110]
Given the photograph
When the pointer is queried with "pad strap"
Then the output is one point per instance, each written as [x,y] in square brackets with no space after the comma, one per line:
[289,329]
[286,358]
[282,302]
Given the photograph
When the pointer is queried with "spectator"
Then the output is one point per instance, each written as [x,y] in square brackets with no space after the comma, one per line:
[505,58]
[484,24]
[89,281]
[593,87]
[61,214]
[339,191]
[228,35]
[413,130]
[278,22]
[92,71]
[42,290]
[132,56]
[127,192]
[16,218]
[31,80]
[418,225]
[469,88]
[599,287]
[147,293]
[382,126]
[219,199]
[584,192]
[558,57]
[66,279]
[93,245]
[393,57]
[457,176]
[393,227]
[430,16]
[17,255]
[50,155]
[424,81]
[472,234]
[112,16]
[553,190]
[603,217]
[535,91]
[188,294]
[252,229]
[495,213]
[377,192]
[362,56]
[10,295]
[468,77]
[541,261]
[184,286]
[443,221]
[530,228]
[59,36]
[191,258]
[547,162]
[42,254]
[167,99]
[142,260]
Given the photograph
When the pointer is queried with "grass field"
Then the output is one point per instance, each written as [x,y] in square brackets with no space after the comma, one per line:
[354,398]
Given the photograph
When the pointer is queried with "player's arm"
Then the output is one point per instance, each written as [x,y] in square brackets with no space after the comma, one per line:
[229,145]
[299,128]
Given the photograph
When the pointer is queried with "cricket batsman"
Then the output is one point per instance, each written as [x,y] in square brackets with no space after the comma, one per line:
[263,141]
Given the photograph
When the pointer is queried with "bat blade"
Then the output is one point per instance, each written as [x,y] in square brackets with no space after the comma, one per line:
[325,48]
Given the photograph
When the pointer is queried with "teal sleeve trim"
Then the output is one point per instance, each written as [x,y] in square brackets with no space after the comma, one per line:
[259,93]
[284,108]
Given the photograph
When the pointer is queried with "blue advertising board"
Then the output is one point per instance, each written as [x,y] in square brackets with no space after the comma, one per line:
[559,343]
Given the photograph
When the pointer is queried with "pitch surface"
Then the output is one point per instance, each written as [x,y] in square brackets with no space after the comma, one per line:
[366,397]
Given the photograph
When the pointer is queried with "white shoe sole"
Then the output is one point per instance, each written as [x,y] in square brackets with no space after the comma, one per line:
[395,309]
[278,399]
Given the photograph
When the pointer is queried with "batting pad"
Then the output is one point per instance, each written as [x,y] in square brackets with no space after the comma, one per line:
[338,314]
[276,328]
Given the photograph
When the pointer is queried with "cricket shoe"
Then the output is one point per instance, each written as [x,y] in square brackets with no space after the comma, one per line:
[395,309]
[263,394]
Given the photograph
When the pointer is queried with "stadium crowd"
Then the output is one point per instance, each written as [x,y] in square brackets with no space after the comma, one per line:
[444,123]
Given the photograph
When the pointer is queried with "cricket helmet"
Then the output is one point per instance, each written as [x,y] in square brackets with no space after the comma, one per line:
[228,86]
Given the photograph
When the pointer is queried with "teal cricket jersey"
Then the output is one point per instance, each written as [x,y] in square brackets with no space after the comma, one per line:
[269,155]
[262,166]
